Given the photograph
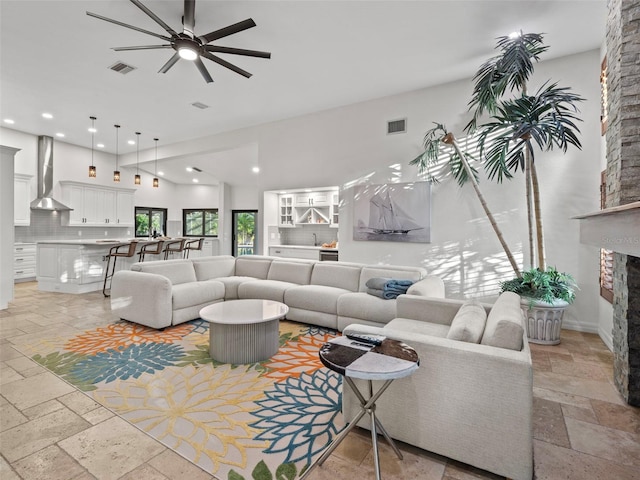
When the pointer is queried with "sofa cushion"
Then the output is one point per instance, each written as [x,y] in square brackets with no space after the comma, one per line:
[255,266]
[367,307]
[409,325]
[264,289]
[196,293]
[468,324]
[292,272]
[318,298]
[389,271]
[332,274]
[231,285]
[177,271]
[214,267]
[504,323]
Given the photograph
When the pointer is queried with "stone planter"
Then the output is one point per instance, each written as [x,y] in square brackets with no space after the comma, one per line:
[544,320]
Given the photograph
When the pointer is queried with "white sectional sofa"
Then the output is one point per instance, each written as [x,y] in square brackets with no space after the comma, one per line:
[329,294]
[471,399]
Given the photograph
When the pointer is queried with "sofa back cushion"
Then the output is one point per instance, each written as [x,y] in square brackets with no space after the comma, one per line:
[177,271]
[292,272]
[397,273]
[208,268]
[256,266]
[504,323]
[468,324]
[333,274]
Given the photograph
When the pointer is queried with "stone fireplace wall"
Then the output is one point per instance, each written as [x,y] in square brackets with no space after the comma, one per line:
[623,183]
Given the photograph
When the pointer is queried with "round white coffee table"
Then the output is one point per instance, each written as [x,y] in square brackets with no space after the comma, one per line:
[243,331]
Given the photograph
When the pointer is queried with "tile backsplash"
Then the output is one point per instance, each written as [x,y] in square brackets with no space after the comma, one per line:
[303,235]
[46,225]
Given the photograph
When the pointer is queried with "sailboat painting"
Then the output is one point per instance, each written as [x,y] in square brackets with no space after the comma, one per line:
[397,212]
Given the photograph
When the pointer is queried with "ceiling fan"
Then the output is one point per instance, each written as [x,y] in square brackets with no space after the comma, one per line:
[189,46]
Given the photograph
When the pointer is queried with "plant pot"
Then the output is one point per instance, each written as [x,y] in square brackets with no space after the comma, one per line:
[544,320]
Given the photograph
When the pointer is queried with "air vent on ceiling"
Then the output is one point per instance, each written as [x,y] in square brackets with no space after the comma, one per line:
[122,68]
[200,105]
[397,126]
[196,169]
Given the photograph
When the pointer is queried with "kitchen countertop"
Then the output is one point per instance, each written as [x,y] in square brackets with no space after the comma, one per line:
[109,242]
[306,247]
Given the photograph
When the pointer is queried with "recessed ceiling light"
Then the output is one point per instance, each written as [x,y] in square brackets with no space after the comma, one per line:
[47,115]
[161,173]
[59,134]
[189,169]
[195,180]
[131,142]
[255,169]
[283,192]
[9,121]
[100,145]
[92,130]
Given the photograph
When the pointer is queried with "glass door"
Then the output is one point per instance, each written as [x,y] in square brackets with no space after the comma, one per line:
[244,232]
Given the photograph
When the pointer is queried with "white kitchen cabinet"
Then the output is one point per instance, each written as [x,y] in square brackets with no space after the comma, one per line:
[24,261]
[97,206]
[285,211]
[21,199]
[313,199]
[335,206]
[311,253]
[312,215]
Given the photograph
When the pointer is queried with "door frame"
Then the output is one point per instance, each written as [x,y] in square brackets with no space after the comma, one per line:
[234,216]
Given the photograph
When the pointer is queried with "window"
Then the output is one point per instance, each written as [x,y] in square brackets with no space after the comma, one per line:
[200,223]
[606,256]
[150,221]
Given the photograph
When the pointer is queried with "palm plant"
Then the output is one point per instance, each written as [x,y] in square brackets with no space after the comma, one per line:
[545,120]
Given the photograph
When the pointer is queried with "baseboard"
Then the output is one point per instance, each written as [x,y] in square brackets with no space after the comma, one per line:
[606,337]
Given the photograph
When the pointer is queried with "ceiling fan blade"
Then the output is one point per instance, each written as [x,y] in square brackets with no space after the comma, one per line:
[226,31]
[189,19]
[237,51]
[141,30]
[141,47]
[203,70]
[172,61]
[155,18]
[226,64]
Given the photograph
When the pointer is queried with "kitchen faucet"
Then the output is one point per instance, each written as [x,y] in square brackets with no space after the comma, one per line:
[315,240]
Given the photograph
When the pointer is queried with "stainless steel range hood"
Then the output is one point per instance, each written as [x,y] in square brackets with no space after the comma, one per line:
[45,201]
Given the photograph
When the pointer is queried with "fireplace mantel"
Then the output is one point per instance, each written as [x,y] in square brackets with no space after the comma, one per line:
[615,228]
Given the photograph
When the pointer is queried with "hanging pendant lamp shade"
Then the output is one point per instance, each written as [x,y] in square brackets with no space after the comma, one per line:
[92,167]
[156,182]
[116,172]
[136,179]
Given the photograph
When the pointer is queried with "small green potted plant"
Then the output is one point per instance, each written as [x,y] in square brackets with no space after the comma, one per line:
[545,295]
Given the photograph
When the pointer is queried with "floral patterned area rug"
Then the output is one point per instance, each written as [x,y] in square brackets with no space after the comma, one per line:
[259,421]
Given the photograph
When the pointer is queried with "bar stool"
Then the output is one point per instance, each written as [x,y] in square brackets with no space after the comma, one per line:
[173,246]
[195,244]
[114,252]
[151,248]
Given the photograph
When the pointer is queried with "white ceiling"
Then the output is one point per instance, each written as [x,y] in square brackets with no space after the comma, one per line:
[55,58]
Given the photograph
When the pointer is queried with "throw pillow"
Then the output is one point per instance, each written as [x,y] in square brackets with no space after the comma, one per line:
[504,327]
[468,324]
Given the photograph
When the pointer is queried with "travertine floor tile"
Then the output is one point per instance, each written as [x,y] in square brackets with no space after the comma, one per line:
[8,375]
[42,409]
[578,369]
[604,442]
[6,472]
[31,391]
[146,472]
[460,471]
[548,423]
[563,398]
[98,415]
[27,438]
[555,463]
[10,417]
[355,447]
[577,386]
[111,449]
[175,467]
[583,414]
[423,467]
[51,463]
[7,352]
[617,416]
[79,402]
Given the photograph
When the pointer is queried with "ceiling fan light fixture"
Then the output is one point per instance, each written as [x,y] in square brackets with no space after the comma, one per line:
[136,179]
[116,172]
[187,53]
[156,182]
[92,167]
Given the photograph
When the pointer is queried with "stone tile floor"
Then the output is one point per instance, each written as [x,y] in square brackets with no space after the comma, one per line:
[583,429]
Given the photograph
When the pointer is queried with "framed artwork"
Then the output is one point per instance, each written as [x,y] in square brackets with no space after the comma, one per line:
[395,212]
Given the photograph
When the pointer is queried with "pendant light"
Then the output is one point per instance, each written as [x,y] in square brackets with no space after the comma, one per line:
[156,182]
[116,172]
[136,179]
[92,167]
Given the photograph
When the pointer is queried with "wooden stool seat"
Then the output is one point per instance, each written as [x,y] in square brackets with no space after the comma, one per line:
[115,252]
[195,244]
[173,246]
